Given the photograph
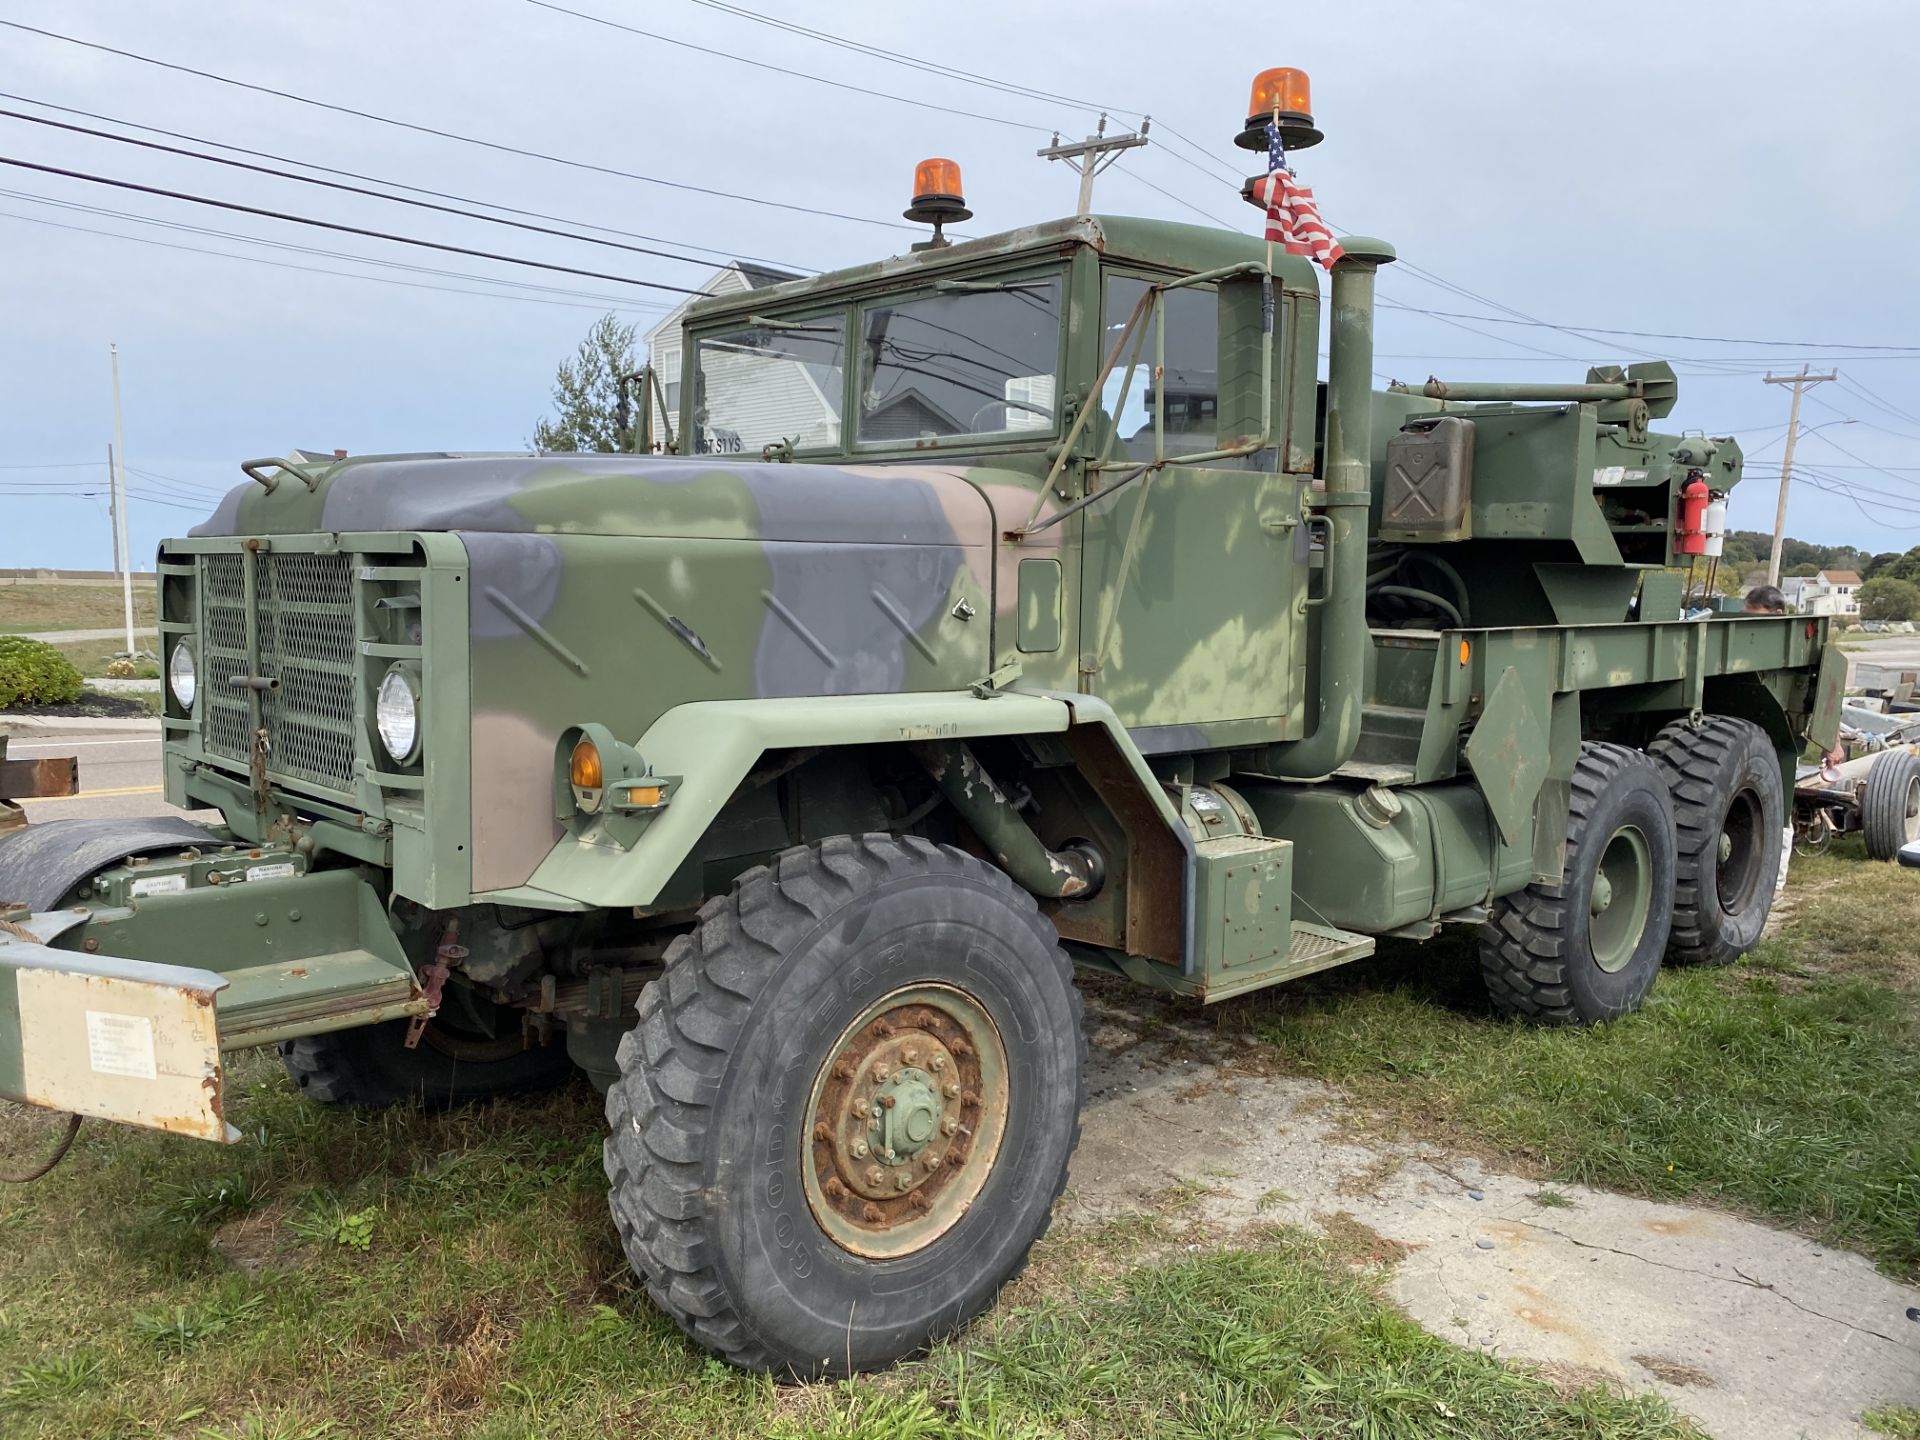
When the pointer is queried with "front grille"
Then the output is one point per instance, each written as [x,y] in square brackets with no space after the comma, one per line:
[303,633]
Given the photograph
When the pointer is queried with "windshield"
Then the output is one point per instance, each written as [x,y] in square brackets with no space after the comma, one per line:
[768,383]
[969,362]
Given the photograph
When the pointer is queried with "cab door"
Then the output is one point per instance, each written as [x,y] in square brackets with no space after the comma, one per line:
[1192,575]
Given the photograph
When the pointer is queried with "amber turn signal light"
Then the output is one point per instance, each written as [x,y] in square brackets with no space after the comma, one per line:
[584,769]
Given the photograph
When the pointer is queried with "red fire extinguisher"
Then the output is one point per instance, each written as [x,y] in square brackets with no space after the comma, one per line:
[1690,535]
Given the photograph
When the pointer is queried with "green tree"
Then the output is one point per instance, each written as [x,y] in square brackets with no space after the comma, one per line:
[1886,598]
[1801,570]
[1878,564]
[586,395]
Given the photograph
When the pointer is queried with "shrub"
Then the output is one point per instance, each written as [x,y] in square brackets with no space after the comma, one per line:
[32,672]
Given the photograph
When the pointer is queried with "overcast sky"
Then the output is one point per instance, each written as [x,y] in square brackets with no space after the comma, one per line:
[1731,168]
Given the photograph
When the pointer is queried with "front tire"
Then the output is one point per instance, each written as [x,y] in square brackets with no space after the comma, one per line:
[1588,949]
[1725,780]
[848,1107]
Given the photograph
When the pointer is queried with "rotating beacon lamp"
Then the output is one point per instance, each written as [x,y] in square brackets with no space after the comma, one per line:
[937,199]
[1283,97]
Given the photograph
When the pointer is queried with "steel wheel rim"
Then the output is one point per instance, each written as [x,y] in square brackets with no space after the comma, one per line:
[1621,899]
[1737,877]
[1912,829]
[905,1121]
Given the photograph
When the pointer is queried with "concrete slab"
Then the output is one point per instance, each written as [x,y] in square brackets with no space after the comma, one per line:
[1752,1331]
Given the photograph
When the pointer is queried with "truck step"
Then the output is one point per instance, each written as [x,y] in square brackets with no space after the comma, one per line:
[1389,744]
[336,991]
[1311,948]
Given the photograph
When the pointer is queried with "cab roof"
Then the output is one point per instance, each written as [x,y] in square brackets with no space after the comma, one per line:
[1157,244]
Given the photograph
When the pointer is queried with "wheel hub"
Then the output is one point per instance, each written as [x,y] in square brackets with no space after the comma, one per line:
[908,1111]
[1602,895]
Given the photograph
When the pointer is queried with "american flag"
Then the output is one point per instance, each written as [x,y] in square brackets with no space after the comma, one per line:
[1293,220]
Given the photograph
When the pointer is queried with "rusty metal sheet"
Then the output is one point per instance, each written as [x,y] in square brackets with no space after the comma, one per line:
[119,1039]
[32,779]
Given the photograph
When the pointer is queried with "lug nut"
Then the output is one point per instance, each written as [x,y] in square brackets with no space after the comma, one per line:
[961,1049]
[882,1070]
[949,1125]
[937,1064]
[910,1055]
[886,1102]
[872,1214]
[834,1188]
[969,1100]
[903,1183]
[876,1177]
[918,1200]
[950,1090]
[932,1162]
[859,1148]
[843,1069]
[821,1132]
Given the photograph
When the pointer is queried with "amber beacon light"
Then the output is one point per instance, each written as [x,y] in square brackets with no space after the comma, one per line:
[1289,93]
[937,197]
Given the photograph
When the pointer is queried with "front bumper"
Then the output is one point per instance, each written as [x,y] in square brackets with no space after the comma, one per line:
[110,1010]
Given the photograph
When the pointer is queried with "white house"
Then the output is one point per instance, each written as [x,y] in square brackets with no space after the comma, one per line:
[1831,592]
[664,352]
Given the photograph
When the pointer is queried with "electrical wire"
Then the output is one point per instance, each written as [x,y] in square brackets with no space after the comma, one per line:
[355,189]
[786,70]
[401,185]
[292,248]
[337,227]
[498,147]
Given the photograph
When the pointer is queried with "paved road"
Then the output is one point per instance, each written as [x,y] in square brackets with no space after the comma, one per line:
[119,774]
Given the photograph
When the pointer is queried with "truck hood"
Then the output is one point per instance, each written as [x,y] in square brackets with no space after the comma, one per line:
[631,495]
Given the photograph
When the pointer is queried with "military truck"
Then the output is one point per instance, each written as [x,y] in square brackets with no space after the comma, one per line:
[1016,604]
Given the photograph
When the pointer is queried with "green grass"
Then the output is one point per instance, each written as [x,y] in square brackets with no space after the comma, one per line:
[424,1276]
[28,609]
[400,1274]
[1787,1087]
[1900,1421]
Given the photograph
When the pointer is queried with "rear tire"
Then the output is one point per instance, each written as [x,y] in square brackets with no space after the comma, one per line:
[1725,779]
[755,1179]
[371,1067]
[1890,807]
[1588,949]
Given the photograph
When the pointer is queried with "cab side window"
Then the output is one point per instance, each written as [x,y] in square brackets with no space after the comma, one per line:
[1191,380]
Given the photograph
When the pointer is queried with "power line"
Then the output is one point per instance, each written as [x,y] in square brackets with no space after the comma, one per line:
[1665,335]
[291,248]
[418,129]
[401,185]
[353,189]
[333,225]
[786,70]
[609,303]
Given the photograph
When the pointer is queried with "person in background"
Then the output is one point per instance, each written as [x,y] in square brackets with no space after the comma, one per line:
[1765,600]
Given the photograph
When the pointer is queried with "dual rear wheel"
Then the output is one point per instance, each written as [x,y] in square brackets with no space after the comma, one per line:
[1670,853]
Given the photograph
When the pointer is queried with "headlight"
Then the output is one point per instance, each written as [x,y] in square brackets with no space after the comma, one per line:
[181,677]
[396,714]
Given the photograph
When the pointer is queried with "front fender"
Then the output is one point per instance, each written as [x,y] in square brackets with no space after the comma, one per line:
[711,745]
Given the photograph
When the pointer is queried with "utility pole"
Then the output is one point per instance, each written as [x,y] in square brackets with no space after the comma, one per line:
[113,513]
[1090,156]
[120,501]
[1800,383]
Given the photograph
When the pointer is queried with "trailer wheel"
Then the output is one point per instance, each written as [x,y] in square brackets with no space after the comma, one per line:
[1890,806]
[370,1067]
[1725,781]
[1588,949]
[847,1109]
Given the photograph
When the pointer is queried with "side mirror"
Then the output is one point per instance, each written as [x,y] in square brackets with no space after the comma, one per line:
[1909,855]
